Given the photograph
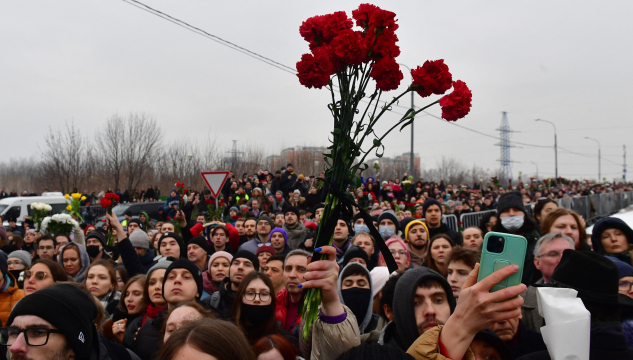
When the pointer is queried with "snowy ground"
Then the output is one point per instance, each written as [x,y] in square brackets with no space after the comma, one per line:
[625,215]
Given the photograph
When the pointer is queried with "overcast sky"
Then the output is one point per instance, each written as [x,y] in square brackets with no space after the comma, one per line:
[569,62]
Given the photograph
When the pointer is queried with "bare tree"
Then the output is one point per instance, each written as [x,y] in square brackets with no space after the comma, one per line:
[64,158]
[111,143]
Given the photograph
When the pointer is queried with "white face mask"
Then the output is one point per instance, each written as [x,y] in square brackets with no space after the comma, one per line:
[386,231]
[512,223]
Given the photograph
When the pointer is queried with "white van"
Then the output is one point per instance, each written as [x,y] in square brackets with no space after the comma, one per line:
[18,207]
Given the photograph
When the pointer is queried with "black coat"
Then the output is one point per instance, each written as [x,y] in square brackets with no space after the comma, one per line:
[526,341]
[148,338]
[227,296]
[606,342]
[444,229]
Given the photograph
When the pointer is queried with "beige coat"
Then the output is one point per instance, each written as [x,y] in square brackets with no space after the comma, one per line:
[328,341]
[426,347]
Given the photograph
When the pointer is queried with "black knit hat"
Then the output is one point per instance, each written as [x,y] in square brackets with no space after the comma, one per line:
[67,308]
[266,218]
[97,235]
[510,200]
[292,209]
[354,252]
[200,241]
[136,221]
[371,351]
[189,266]
[247,255]
[428,203]
[181,243]
[609,223]
[389,214]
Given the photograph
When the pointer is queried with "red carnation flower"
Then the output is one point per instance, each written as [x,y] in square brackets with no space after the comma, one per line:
[363,13]
[106,203]
[312,29]
[385,44]
[457,104]
[333,24]
[314,69]
[383,19]
[387,74]
[432,78]
[349,45]
[209,201]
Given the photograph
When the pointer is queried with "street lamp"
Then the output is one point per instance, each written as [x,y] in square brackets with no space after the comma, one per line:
[411,162]
[555,144]
[599,157]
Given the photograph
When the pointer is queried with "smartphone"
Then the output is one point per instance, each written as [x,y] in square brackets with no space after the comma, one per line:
[498,251]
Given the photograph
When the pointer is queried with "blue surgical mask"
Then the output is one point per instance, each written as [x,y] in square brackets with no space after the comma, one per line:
[361,228]
[512,223]
[386,231]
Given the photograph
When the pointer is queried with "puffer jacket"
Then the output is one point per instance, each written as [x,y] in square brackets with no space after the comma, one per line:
[427,347]
[328,341]
[9,296]
[281,310]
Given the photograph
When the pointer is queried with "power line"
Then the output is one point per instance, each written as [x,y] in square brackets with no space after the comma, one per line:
[215,38]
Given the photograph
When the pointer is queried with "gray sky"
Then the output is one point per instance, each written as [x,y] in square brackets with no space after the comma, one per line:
[565,61]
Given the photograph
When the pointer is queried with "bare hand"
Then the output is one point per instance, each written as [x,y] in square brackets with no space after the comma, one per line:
[309,243]
[323,274]
[118,329]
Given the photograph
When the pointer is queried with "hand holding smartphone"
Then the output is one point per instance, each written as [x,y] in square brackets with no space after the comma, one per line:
[498,251]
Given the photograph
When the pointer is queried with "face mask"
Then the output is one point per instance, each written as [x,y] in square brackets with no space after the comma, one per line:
[93,250]
[361,228]
[386,231]
[357,300]
[257,314]
[512,223]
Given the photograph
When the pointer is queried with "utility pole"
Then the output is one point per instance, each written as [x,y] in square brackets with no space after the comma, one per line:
[411,157]
[624,165]
[555,144]
[504,134]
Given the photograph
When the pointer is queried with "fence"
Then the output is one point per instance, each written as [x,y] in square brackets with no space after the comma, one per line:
[591,208]
[96,210]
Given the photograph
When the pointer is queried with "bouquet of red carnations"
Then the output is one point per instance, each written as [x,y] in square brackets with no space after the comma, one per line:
[109,201]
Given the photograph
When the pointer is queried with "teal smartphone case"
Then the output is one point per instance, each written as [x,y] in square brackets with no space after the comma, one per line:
[513,254]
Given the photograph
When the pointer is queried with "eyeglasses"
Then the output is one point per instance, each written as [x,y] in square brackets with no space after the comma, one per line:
[34,336]
[551,254]
[398,252]
[625,286]
[39,275]
[251,295]
[14,263]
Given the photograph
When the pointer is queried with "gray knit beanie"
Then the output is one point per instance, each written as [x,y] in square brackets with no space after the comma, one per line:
[23,256]
[139,239]
[163,263]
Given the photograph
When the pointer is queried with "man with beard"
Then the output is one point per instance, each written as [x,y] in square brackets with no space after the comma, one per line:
[242,264]
[422,300]
[263,226]
[416,235]
[250,228]
[294,228]
[288,300]
[279,219]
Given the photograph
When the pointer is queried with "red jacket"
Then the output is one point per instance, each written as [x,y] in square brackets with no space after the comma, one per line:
[234,236]
[281,308]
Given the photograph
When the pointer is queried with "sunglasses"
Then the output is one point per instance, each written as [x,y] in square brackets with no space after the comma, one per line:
[39,275]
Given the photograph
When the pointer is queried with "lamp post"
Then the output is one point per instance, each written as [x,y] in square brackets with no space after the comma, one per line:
[555,145]
[411,158]
[599,157]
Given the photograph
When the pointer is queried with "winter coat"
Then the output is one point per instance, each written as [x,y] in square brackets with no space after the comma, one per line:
[525,341]
[281,310]
[171,201]
[133,264]
[109,350]
[606,341]
[328,341]
[287,182]
[426,347]
[148,338]
[110,302]
[531,317]
[370,320]
[221,301]
[296,235]
[9,296]
[444,229]
[252,245]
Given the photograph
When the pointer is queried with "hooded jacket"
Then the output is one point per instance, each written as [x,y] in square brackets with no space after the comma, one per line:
[83,257]
[403,330]
[370,320]
[9,296]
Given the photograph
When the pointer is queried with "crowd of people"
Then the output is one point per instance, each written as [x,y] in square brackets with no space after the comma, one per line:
[184,285]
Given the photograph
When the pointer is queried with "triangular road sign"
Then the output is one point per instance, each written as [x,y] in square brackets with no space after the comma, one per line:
[215,181]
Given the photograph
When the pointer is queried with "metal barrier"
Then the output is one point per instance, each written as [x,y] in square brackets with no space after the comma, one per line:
[96,210]
[473,219]
[450,220]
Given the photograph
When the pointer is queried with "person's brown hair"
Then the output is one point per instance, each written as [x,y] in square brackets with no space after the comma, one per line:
[57,271]
[254,331]
[122,272]
[228,343]
[192,304]
[546,225]
[138,278]
[100,319]
[17,240]
[220,227]
[287,350]
[106,264]
[467,256]
[429,257]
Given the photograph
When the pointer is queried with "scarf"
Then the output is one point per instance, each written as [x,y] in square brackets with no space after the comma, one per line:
[151,313]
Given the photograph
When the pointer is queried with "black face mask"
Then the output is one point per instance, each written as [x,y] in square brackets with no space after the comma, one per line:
[357,300]
[93,250]
[257,314]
